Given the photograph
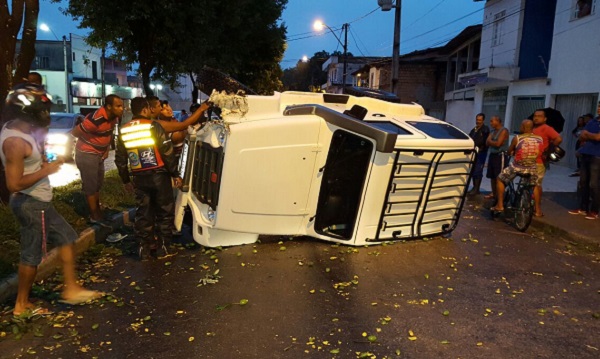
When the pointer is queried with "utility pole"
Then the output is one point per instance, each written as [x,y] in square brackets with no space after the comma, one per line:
[396,53]
[386,5]
[66,63]
[102,68]
[345,26]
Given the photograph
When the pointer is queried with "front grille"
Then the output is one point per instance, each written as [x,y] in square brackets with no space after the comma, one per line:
[426,193]
[208,165]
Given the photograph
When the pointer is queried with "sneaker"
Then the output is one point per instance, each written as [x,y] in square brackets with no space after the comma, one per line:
[592,215]
[577,211]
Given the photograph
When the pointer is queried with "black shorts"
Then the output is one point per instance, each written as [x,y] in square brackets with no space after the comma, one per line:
[496,163]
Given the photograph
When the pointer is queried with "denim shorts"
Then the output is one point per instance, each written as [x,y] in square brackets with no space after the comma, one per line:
[28,211]
[91,167]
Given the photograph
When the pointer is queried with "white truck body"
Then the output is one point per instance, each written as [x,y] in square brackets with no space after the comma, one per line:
[295,164]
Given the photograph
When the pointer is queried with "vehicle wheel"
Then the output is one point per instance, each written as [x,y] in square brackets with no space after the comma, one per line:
[523,210]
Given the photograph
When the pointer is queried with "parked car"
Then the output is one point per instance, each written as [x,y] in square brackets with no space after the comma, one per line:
[60,142]
[340,168]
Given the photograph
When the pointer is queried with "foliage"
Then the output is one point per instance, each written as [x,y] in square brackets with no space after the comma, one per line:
[170,39]
[23,18]
[70,203]
[307,76]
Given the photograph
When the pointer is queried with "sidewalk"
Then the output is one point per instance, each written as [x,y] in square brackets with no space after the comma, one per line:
[558,198]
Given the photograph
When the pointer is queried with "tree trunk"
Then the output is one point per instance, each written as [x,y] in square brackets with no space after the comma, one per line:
[27,52]
[194,89]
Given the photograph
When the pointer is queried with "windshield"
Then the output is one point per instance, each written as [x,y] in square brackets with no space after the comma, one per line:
[439,130]
[59,121]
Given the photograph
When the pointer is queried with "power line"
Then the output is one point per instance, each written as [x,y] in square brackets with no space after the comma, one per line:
[427,13]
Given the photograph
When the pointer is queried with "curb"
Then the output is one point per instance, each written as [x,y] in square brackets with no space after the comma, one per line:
[543,225]
[89,236]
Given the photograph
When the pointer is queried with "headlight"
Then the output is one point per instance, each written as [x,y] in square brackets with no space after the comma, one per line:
[57,139]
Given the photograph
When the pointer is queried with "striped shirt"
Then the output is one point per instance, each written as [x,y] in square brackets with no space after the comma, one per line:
[97,132]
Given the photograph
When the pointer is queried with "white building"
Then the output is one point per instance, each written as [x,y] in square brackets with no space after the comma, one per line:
[535,54]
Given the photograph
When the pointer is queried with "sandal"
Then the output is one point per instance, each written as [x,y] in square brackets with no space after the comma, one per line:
[30,313]
[489,196]
[496,210]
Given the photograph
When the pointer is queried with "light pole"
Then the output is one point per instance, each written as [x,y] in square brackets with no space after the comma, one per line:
[45,28]
[318,25]
[158,87]
[386,5]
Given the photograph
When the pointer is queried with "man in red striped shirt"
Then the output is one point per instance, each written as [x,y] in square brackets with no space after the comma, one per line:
[94,136]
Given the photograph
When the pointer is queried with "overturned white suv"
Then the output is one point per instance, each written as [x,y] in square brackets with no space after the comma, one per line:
[352,170]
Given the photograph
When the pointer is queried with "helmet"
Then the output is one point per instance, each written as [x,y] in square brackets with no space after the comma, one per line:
[31,103]
[557,154]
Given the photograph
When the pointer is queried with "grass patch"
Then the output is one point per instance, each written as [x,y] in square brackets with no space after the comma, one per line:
[70,203]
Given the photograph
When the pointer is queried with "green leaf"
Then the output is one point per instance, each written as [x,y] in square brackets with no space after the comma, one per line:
[147,318]
[95,326]
[243,301]
[334,351]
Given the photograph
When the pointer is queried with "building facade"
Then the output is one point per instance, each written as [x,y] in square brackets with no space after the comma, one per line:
[536,54]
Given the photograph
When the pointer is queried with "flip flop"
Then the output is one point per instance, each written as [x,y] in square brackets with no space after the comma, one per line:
[83,297]
[538,215]
[115,237]
[494,209]
[489,196]
[29,313]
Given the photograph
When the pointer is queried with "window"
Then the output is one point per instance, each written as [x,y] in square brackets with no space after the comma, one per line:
[583,8]
[95,70]
[497,28]
[42,62]
[73,57]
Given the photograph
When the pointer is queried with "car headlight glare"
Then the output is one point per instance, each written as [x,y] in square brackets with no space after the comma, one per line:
[57,139]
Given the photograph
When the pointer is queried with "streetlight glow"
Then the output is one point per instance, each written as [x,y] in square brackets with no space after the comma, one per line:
[304,58]
[318,25]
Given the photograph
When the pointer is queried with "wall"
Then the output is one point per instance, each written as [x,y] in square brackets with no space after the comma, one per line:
[81,50]
[575,52]
[505,53]
[461,114]
[422,83]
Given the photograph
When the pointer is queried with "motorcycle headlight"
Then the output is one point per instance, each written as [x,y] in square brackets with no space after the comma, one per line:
[57,139]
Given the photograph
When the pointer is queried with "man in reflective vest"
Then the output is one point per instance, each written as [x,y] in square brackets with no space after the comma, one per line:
[144,145]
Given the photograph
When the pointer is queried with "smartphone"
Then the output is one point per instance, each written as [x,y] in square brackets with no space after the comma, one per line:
[51,157]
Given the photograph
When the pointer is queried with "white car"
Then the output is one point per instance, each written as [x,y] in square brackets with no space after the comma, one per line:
[345,169]
[59,141]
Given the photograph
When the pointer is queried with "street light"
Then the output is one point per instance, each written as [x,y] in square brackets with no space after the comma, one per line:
[45,28]
[319,25]
[158,87]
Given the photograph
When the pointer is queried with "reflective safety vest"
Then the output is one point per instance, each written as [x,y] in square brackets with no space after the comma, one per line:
[140,145]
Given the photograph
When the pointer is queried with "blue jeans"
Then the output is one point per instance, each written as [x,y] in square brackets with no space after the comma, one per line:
[29,212]
[479,164]
[589,181]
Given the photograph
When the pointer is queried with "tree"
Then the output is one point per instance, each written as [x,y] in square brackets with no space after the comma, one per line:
[173,38]
[307,76]
[24,15]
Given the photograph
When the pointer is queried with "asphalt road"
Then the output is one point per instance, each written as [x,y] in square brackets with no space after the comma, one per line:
[487,292]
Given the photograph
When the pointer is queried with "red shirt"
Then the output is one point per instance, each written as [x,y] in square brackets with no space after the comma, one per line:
[548,134]
[97,132]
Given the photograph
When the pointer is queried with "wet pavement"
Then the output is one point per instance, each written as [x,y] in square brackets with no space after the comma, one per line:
[486,292]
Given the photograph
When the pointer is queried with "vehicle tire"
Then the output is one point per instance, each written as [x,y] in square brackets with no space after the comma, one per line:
[523,210]
[509,201]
